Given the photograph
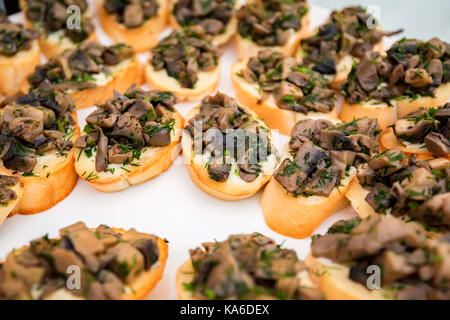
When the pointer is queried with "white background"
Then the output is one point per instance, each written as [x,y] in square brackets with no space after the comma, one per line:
[170,206]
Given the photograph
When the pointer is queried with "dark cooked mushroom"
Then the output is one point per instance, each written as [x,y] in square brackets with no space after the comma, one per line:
[101,158]
[437,144]
[367,75]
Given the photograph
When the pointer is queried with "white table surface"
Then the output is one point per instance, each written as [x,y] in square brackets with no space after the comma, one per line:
[170,206]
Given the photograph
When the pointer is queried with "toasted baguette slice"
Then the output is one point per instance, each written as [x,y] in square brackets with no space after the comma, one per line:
[390,141]
[54,43]
[283,120]
[298,217]
[217,40]
[53,179]
[152,162]
[332,279]
[186,274]
[14,70]
[441,96]
[205,85]
[246,48]
[142,38]
[385,114]
[121,77]
[141,286]
[234,188]
[8,206]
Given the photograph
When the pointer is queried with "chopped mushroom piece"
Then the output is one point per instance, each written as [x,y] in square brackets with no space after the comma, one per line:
[122,127]
[248,266]
[108,267]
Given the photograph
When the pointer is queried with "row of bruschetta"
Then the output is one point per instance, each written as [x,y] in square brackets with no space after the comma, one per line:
[373,258]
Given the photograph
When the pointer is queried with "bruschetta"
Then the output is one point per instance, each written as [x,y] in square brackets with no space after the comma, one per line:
[345,37]
[96,264]
[318,165]
[379,258]
[37,136]
[228,151]
[129,139]
[89,73]
[245,266]
[11,192]
[271,24]
[19,54]
[282,91]
[408,188]
[62,24]
[425,132]
[216,18]
[412,75]
[184,63]
[135,23]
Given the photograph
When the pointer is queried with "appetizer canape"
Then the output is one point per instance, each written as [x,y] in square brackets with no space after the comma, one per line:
[415,190]
[271,24]
[247,266]
[346,36]
[136,23]
[36,138]
[110,263]
[377,258]
[129,139]
[424,132]
[19,54]
[59,24]
[282,91]
[227,149]
[413,74]
[184,63]
[216,18]
[11,191]
[318,165]
[89,73]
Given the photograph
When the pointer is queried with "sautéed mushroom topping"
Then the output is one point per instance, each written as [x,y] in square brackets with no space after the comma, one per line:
[248,266]
[321,154]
